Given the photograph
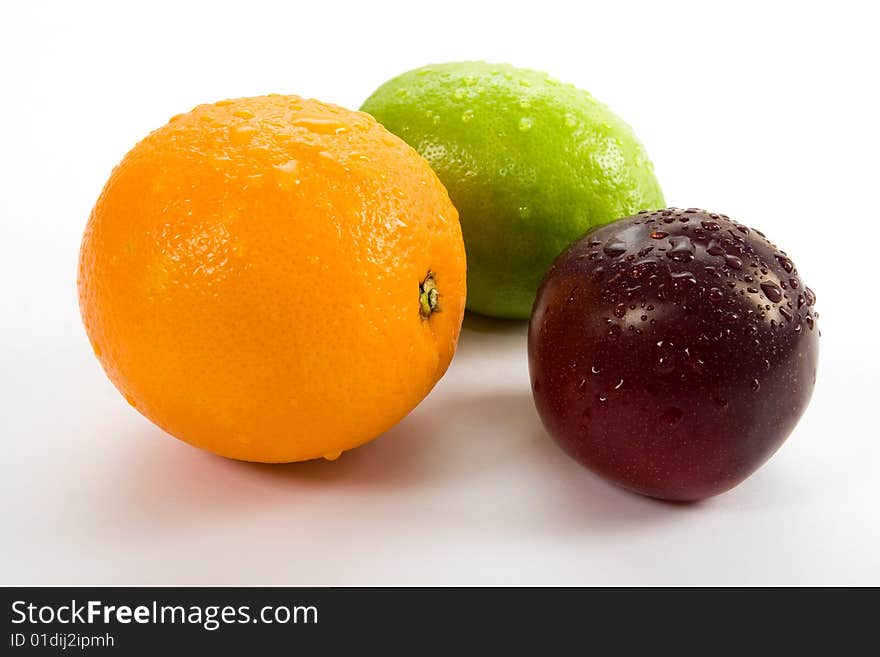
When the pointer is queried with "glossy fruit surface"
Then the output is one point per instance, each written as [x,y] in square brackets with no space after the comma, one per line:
[530,163]
[673,352]
[256,278]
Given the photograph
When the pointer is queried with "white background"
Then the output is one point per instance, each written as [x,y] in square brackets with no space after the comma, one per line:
[765,111]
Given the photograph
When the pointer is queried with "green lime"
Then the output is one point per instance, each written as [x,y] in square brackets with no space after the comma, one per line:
[530,163]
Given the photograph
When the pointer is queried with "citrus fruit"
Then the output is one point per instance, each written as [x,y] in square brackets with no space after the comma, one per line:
[273,279]
[530,163]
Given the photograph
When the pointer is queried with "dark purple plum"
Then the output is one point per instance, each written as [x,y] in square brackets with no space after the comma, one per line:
[673,352]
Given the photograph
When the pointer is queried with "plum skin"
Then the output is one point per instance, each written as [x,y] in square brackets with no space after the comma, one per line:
[672,352]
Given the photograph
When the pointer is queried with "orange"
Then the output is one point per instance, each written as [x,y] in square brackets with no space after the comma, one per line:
[273,279]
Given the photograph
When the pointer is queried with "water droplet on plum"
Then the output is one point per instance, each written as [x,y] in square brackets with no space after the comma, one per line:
[733,261]
[771,291]
[715,294]
[682,249]
[614,248]
[785,263]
